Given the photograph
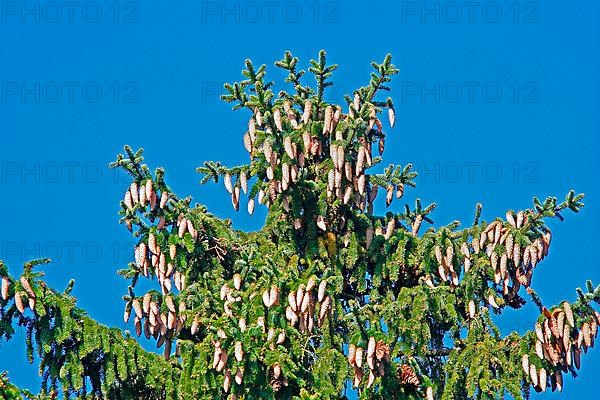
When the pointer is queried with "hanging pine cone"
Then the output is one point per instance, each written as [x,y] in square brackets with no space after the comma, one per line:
[276,379]
[5,287]
[292,301]
[277,119]
[19,302]
[239,375]
[407,377]
[525,363]
[569,314]
[358,356]
[27,286]
[127,200]
[133,188]
[382,351]
[328,120]
[391,116]
[307,112]
[259,117]
[142,196]
[149,188]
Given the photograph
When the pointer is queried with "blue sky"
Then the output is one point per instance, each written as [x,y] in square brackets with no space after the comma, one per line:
[496,102]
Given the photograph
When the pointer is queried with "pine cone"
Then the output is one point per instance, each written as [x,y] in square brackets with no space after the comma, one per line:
[321,291]
[328,120]
[351,354]
[391,116]
[417,224]
[274,296]
[358,375]
[539,351]
[276,379]
[142,196]
[391,225]
[182,228]
[292,301]
[136,307]
[371,352]
[371,379]
[382,351]
[520,218]
[341,154]
[227,381]
[543,379]
[307,112]
[399,190]
[19,302]
[361,184]
[358,356]
[360,159]
[291,316]
[266,298]
[381,146]
[133,188]
[237,281]
[325,308]
[239,375]
[533,374]
[321,223]
[149,188]
[127,200]
[569,314]
[472,309]
[258,115]
[238,351]
[306,301]
[587,335]
[27,286]
[251,206]
[277,119]
[525,363]
[407,377]
[170,304]
[287,146]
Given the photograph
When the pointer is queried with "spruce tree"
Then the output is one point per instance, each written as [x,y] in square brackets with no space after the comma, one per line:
[327,296]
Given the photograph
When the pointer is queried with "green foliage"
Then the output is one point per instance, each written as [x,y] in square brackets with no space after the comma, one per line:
[326,295]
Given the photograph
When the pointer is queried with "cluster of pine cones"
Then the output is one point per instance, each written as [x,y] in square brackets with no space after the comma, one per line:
[163,324]
[512,263]
[144,195]
[25,297]
[228,295]
[301,309]
[559,342]
[290,145]
[150,255]
[377,353]
[220,364]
